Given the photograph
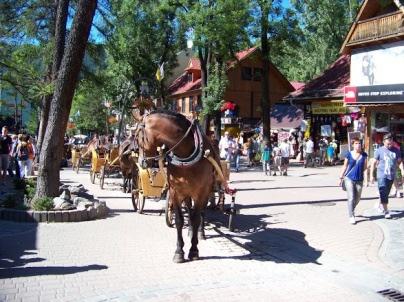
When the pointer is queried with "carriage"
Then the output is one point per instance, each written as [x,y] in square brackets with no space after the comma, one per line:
[98,157]
[79,156]
[150,184]
[111,165]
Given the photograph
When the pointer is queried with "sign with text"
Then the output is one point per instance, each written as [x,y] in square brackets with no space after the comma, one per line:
[328,108]
[380,94]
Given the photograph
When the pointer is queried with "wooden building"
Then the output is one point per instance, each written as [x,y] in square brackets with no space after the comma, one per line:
[243,90]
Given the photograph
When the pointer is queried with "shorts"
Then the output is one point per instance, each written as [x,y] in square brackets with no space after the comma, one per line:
[4,161]
[285,161]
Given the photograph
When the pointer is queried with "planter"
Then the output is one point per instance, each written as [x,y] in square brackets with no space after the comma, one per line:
[48,216]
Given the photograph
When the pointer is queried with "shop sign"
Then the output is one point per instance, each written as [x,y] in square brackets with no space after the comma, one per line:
[376,94]
[328,108]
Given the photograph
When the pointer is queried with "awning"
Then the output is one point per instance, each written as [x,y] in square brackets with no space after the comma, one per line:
[286,117]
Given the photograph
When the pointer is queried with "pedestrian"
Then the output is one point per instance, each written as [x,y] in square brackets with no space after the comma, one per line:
[352,175]
[387,159]
[13,156]
[285,153]
[276,153]
[309,152]
[266,158]
[250,151]
[224,145]
[5,150]
[31,155]
[323,145]
[23,155]
[331,152]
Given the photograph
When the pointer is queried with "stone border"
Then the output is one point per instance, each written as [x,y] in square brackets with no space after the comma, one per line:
[51,216]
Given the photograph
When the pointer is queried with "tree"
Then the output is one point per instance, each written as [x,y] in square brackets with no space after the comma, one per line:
[51,153]
[219,29]
[318,29]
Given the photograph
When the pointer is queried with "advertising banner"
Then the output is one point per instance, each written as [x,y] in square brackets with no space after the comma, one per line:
[328,108]
[380,94]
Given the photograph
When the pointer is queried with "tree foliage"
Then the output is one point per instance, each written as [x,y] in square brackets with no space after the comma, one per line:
[310,36]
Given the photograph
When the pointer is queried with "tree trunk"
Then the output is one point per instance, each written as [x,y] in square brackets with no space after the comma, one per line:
[203,58]
[59,34]
[265,100]
[51,155]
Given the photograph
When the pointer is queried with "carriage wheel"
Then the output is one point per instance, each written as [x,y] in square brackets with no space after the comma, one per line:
[169,213]
[102,177]
[92,177]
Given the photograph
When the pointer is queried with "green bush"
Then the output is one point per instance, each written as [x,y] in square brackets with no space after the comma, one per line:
[30,183]
[30,192]
[42,204]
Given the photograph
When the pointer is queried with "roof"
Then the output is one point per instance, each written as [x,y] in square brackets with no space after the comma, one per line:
[297,85]
[286,117]
[181,85]
[367,10]
[245,53]
[330,84]
[194,64]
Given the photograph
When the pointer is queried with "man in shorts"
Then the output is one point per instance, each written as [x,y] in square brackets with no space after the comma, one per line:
[5,148]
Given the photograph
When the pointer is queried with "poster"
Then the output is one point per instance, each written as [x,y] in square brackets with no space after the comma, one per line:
[326,130]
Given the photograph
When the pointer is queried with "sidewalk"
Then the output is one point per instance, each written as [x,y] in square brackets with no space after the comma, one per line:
[292,242]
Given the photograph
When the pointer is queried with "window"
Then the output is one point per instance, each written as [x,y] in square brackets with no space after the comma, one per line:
[257,74]
[189,77]
[246,73]
[183,102]
[191,103]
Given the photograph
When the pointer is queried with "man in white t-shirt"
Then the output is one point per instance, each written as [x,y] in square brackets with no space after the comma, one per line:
[285,153]
[309,152]
[224,145]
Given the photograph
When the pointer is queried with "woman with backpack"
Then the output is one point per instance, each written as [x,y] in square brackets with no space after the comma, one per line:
[22,154]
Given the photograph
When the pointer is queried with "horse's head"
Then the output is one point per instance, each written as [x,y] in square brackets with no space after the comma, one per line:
[141,107]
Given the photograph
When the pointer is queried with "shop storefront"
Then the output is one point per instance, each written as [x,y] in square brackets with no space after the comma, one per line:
[377,87]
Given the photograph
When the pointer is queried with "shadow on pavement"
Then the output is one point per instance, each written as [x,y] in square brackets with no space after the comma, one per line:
[47,270]
[265,243]
[395,215]
[284,188]
[17,248]
[290,203]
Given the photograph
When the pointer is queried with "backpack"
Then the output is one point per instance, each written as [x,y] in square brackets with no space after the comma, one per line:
[23,152]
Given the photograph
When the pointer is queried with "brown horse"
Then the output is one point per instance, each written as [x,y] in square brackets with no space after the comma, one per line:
[190,175]
[128,163]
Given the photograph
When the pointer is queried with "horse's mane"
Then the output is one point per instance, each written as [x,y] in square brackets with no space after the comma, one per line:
[180,119]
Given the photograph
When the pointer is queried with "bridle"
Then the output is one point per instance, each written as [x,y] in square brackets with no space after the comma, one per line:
[169,155]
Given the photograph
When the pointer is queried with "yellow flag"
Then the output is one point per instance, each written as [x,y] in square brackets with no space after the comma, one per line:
[160,73]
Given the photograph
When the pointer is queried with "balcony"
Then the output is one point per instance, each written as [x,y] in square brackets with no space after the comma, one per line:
[378,28]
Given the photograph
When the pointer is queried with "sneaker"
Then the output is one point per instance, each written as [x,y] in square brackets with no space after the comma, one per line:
[285,174]
[352,220]
[387,215]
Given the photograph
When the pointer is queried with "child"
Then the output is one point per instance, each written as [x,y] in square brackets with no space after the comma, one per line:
[266,158]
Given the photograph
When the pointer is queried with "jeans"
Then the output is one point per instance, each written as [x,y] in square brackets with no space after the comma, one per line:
[384,185]
[309,158]
[354,191]
[236,158]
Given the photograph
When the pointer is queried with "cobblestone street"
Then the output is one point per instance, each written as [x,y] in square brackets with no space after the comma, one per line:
[292,242]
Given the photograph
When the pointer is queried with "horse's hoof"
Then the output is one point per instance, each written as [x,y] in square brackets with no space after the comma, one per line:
[179,258]
[193,256]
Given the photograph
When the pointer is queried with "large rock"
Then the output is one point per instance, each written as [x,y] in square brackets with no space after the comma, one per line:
[57,201]
[77,190]
[67,206]
[84,205]
[92,213]
[65,195]
[77,200]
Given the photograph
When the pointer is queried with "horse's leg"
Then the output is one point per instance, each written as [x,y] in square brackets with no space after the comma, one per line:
[195,221]
[179,223]
[201,230]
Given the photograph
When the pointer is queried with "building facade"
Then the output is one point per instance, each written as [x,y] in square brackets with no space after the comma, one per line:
[243,93]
